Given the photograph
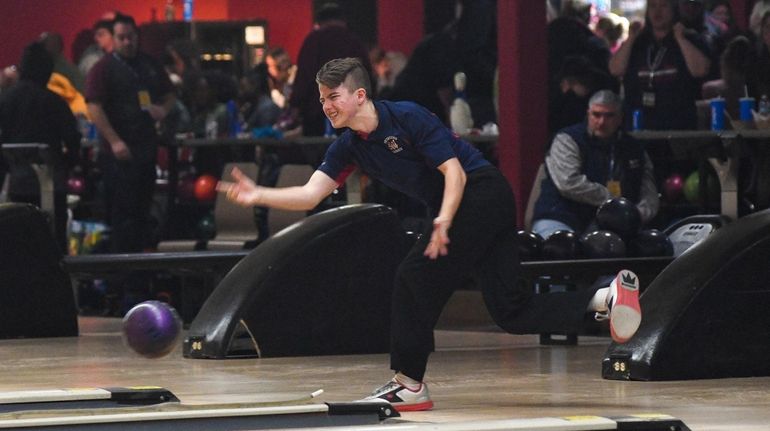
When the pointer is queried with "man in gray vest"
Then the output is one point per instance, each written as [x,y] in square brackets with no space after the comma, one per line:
[589,163]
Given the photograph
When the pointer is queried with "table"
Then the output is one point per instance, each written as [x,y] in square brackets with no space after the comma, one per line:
[308,150]
[722,149]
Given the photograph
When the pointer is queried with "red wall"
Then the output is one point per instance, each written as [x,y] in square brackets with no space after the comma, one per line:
[399,24]
[21,22]
[289,21]
[523,110]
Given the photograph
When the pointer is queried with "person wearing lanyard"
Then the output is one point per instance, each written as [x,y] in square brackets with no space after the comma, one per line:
[127,92]
[662,64]
[589,163]
[473,231]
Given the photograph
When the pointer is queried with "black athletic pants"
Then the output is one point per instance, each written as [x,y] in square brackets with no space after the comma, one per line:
[482,247]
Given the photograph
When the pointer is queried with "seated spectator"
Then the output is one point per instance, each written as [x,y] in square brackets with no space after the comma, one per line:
[211,92]
[589,163]
[281,73]
[211,119]
[256,107]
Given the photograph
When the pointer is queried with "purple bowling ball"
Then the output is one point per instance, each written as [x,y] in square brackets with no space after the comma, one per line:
[152,329]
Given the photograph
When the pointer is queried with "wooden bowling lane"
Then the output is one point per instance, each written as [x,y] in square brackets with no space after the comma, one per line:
[475,375]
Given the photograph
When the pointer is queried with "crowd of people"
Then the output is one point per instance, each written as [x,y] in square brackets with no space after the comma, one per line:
[599,74]
[683,51]
[665,68]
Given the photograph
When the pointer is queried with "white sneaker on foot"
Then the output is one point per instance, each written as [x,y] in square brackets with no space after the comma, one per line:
[623,308]
[401,397]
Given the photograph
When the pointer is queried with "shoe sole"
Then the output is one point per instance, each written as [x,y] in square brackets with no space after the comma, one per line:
[626,314]
[426,405]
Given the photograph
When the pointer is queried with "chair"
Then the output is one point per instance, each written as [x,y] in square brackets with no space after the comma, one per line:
[236,226]
[290,175]
[534,194]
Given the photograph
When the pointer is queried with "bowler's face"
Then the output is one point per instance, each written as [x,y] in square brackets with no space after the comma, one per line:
[339,104]
[603,120]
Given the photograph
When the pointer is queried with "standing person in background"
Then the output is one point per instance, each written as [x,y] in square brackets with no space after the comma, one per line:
[55,46]
[662,65]
[102,44]
[757,12]
[759,76]
[386,66]
[30,113]
[331,39]
[127,93]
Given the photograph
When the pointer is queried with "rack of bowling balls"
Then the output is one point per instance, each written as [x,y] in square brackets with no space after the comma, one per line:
[618,234]
[615,241]
[699,188]
[193,213]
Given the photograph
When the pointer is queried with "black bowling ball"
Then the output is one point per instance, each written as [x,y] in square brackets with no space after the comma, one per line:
[602,244]
[651,242]
[561,245]
[619,215]
[530,245]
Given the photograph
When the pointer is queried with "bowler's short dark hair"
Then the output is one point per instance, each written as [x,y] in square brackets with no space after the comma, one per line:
[349,71]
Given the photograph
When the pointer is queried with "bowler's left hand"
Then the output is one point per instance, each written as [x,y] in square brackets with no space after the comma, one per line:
[439,239]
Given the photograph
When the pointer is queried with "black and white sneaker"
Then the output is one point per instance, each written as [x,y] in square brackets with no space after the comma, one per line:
[623,309]
[402,398]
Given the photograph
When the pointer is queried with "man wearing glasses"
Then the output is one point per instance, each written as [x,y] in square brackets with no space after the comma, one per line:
[589,163]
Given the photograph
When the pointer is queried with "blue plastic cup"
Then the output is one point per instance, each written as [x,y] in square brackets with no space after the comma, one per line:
[717,114]
[747,106]
[638,123]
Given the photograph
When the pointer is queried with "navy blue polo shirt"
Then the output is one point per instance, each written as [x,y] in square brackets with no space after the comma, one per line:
[404,152]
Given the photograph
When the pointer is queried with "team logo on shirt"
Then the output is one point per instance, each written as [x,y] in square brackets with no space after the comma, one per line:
[392,144]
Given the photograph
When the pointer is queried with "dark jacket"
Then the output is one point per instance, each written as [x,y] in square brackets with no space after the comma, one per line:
[628,161]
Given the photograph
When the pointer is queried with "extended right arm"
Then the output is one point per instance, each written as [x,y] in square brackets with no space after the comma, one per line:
[306,197]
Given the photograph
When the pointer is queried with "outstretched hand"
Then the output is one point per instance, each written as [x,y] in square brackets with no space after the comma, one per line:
[243,191]
[439,239]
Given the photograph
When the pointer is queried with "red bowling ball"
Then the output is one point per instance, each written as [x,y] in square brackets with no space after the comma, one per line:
[206,188]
